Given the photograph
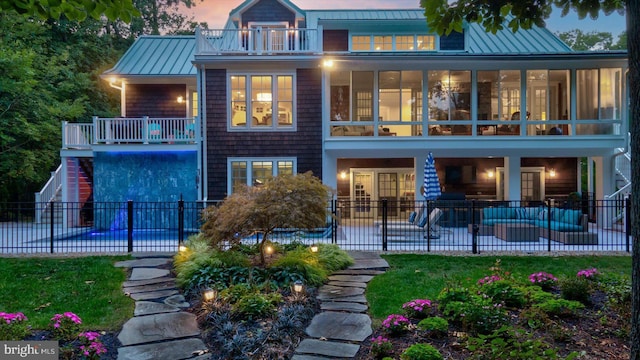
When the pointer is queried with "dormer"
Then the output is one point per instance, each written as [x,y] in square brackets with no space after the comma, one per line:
[267,14]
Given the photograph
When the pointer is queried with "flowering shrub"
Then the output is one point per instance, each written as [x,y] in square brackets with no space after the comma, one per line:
[418,308]
[380,347]
[65,326]
[12,326]
[395,324]
[90,345]
[488,280]
[543,279]
[588,273]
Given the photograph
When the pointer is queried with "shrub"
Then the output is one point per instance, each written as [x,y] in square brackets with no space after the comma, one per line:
[477,315]
[503,291]
[304,263]
[588,273]
[13,326]
[488,280]
[534,318]
[535,295]
[436,326]
[545,280]
[418,308]
[618,290]
[453,294]
[395,324]
[380,347]
[421,352]
[575,288]
[332,258]
[560,307]
[65,326]
[255,305]
[90,346]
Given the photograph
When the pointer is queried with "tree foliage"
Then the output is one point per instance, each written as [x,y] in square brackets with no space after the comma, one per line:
[286,201]
[156,17]
[444,16]
[581,41]
[72,9]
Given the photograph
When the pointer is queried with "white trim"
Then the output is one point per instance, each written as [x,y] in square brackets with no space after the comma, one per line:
[500,177]
[436,42]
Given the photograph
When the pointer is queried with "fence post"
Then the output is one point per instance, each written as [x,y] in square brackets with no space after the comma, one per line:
[52,205]
[180,222]
[627,221]
[130,226]
[475,228]
[548,225]
[334,221]
[384,224]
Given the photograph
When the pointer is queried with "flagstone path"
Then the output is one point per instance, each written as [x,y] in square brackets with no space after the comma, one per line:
[337,331]
[162,330]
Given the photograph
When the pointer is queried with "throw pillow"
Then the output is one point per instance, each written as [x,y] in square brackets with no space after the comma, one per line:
[521,213]
[412,217]
[423,219]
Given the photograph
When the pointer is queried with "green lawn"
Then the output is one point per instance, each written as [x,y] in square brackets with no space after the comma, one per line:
[90,287]
[423,276]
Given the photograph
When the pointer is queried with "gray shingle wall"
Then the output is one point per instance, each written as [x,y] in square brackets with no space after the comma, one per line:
[453,41]
[268,10]
[335,40]
[155,100]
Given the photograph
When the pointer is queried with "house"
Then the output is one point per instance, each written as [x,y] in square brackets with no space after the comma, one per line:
[358,97]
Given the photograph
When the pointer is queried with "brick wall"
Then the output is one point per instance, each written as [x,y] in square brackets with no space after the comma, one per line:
[155,100]
[305,144]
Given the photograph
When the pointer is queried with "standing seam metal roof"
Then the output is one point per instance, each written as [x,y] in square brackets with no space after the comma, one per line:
[158,56]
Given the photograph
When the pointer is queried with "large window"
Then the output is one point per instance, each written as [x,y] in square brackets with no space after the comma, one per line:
[400,95]
[548,102]
[598,100]
[261,102]
[449,95]
[254,172]
[409,42]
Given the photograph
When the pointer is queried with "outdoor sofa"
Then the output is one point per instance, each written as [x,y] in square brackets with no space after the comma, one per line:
[568,226]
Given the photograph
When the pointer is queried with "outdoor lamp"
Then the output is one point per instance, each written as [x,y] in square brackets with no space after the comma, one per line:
[209,294]
[314,248]
[180,99]
[298,287]
[182,248]
[552,173]
[269,250]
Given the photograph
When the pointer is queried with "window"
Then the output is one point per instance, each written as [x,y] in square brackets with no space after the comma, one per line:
[449,95]
[254,172]
[400,95]
[393,42]
[499,94]
[270,104]
[598,99]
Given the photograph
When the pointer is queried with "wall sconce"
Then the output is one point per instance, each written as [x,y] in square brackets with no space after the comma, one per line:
[490,174]
[552,173]
[314,248]
[327,63]
[112,83]
[343,175]
[209,294]
[180,99]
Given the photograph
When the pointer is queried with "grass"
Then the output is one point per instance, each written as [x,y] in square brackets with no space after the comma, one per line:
[90,287]
[412,276]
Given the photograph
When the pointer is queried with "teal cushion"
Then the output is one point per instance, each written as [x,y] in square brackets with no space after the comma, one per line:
[521,213]
[499,213]
[412,217]
[532,212]
[572,217]
[492,222]
[557,214]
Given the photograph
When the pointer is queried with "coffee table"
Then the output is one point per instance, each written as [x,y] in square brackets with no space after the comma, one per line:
[516,232]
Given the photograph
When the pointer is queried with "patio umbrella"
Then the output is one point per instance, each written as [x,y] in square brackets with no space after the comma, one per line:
[431,183]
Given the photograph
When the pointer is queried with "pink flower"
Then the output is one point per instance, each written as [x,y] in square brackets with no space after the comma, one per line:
[488,280]
[588,273]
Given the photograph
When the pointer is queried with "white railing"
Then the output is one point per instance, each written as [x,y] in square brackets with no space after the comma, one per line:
[257,41]
[75,135]
[143,130]
[623,170]
[48,192]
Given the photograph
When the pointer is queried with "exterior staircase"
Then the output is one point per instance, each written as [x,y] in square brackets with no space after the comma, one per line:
[623,184]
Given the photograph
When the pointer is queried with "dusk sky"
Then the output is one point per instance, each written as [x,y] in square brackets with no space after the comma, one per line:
[215,13]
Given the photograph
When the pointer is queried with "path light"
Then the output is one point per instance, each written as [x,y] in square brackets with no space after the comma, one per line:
[268,250]
[298,287]
[314,248]
[182,247]
[209,294]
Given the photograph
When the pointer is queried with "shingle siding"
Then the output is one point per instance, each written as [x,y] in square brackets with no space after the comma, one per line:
[453,41]
[305,144]
[335,40]
[155,100]
[268,11]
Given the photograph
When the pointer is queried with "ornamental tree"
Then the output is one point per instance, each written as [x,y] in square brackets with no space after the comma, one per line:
[286,201]
[445,16]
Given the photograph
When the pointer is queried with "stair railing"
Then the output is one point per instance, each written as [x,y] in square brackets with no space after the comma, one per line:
[48,193]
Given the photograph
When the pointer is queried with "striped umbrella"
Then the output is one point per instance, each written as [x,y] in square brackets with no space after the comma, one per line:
[431,184]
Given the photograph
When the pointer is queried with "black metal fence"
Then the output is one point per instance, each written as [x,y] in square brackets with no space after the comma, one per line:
[471,226]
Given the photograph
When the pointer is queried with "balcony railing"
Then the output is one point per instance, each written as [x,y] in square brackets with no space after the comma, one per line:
[144,130]
[258,41]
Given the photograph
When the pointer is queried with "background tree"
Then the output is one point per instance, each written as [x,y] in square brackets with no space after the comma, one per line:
[72,9]
[444,16]
[286,201]
[580,41]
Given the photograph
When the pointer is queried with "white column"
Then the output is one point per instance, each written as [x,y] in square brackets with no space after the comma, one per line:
[604,186]
[512,178]
[590,175]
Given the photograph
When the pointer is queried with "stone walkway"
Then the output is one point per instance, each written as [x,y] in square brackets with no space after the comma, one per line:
[337,331]
[160,329]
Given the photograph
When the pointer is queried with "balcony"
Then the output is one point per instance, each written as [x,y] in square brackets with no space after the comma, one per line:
[258,41]
[117,131]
